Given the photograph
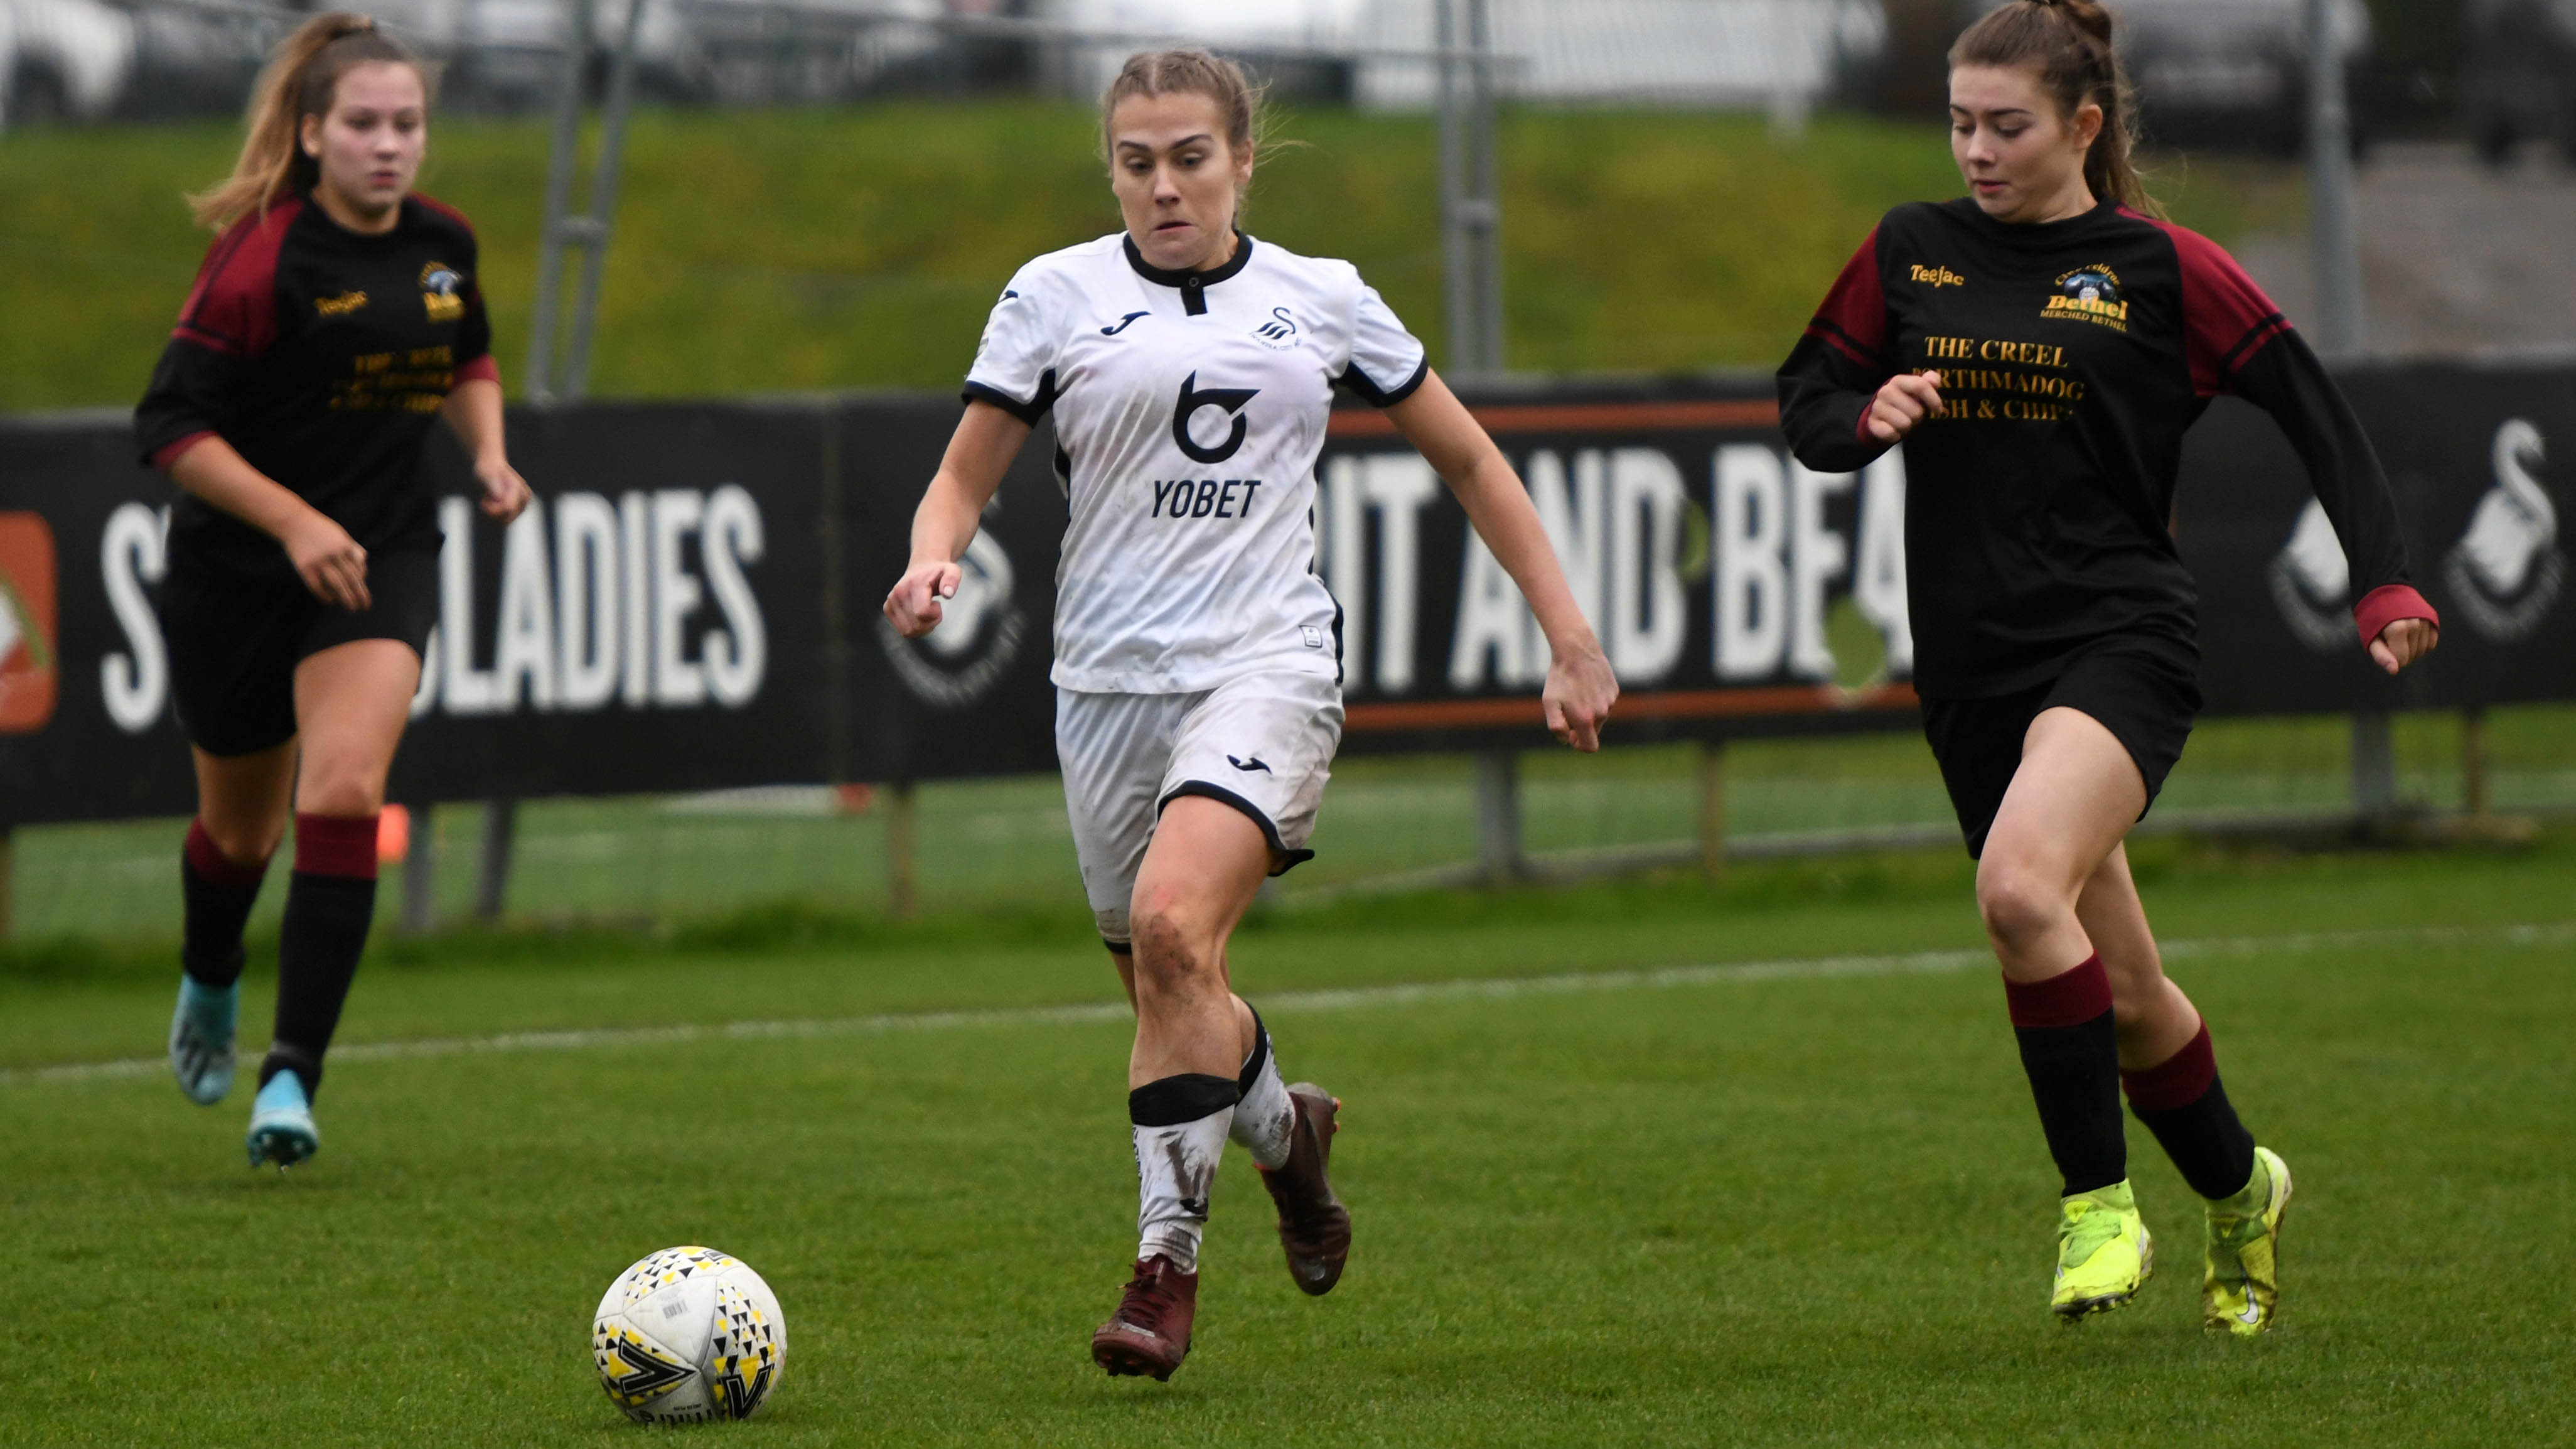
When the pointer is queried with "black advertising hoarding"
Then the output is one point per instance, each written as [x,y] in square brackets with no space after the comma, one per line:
[654,621]
[693,600]
[1734,591]
[2481,460]
[105,746]
[973,697]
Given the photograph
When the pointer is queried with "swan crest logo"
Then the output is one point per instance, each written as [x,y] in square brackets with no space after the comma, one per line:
[980,633]
[2507,570]
[2503,576]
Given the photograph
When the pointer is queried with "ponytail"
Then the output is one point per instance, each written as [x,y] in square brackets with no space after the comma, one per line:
[2068,42]
[299,81]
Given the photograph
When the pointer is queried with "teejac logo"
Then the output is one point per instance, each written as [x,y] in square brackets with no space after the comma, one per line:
[28,677]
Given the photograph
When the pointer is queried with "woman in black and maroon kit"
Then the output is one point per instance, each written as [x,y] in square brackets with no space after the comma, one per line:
[2039,348]
[335,320]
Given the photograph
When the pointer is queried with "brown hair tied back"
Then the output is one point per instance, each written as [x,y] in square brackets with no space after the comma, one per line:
[1191,72]
[300,80]
[2068,44]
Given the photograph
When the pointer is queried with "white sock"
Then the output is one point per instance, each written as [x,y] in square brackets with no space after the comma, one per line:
[1176,1172]
[1265,1117]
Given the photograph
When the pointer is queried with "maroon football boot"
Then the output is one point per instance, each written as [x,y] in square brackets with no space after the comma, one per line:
[1313,1225]
[1150,1332]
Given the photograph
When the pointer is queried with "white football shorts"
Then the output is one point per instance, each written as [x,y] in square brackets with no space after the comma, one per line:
[1262,743]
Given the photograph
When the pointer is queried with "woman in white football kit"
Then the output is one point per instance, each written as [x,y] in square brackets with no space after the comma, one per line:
[1197,656]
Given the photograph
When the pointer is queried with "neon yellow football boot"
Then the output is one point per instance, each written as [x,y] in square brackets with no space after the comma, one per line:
[2104,1253]
[2240,1290]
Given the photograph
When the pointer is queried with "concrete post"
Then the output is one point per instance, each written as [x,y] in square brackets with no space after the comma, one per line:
[492,871]
[903,900]
[420,873]
[1498,816]
[1712,808]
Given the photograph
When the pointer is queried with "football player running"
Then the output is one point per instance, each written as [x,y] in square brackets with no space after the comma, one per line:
[1190,369]
[2038,349]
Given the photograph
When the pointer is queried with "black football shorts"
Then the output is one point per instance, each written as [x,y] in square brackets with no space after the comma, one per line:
[2144,691]
[234,644]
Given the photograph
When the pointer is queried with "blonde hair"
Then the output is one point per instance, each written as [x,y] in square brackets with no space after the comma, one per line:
[1152,73]
[2068,42]
[300,79]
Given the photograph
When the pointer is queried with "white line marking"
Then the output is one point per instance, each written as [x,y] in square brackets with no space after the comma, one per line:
[1497,988]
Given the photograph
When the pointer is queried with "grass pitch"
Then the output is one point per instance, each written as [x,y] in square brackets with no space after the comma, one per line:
[1802,1203]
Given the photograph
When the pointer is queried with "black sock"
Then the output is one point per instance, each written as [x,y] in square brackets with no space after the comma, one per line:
[2071,1053]
[216,894]
[2185,1105]
[330,903]
[2075,1078]
[327,917]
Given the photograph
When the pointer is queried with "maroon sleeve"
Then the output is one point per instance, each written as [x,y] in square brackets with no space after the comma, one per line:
[233,307]
[1827,383]
[2226,318]
[228,321]
[2239,343]
[1853,317]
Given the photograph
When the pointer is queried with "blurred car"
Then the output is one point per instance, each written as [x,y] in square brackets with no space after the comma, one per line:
[2233,72]
[194,59]
[2518,80]
[62,60]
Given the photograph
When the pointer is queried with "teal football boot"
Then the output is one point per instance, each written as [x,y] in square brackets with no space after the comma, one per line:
[201,1039]
[281,1123]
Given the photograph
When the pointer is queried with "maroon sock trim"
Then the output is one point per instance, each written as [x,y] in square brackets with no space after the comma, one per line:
[2069,998]
[216,868]
[2178,1081]
[342,845]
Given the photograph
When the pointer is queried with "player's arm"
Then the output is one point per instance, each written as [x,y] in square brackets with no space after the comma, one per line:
[1580,687]
[2237,341]
[979,453]
[1842,400]
[473,413]
[331,563]
[2285,378]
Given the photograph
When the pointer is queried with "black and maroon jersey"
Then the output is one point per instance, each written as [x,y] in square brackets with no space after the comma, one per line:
[323,357]
[2073,356]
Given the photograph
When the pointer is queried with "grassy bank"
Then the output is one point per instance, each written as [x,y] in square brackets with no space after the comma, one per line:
[776,250]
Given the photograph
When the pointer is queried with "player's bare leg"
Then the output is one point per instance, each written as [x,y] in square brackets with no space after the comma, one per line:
[2170,1072]
[1203,1070]
[351,703]
[2073,797]
[1289,1132]
[2151,1015]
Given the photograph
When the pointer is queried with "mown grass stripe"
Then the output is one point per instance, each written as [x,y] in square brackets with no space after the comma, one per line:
[1490,988]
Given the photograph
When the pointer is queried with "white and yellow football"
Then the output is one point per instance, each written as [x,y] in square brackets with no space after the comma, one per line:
[689,1334]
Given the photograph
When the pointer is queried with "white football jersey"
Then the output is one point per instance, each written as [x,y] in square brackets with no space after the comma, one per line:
[1189,409]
